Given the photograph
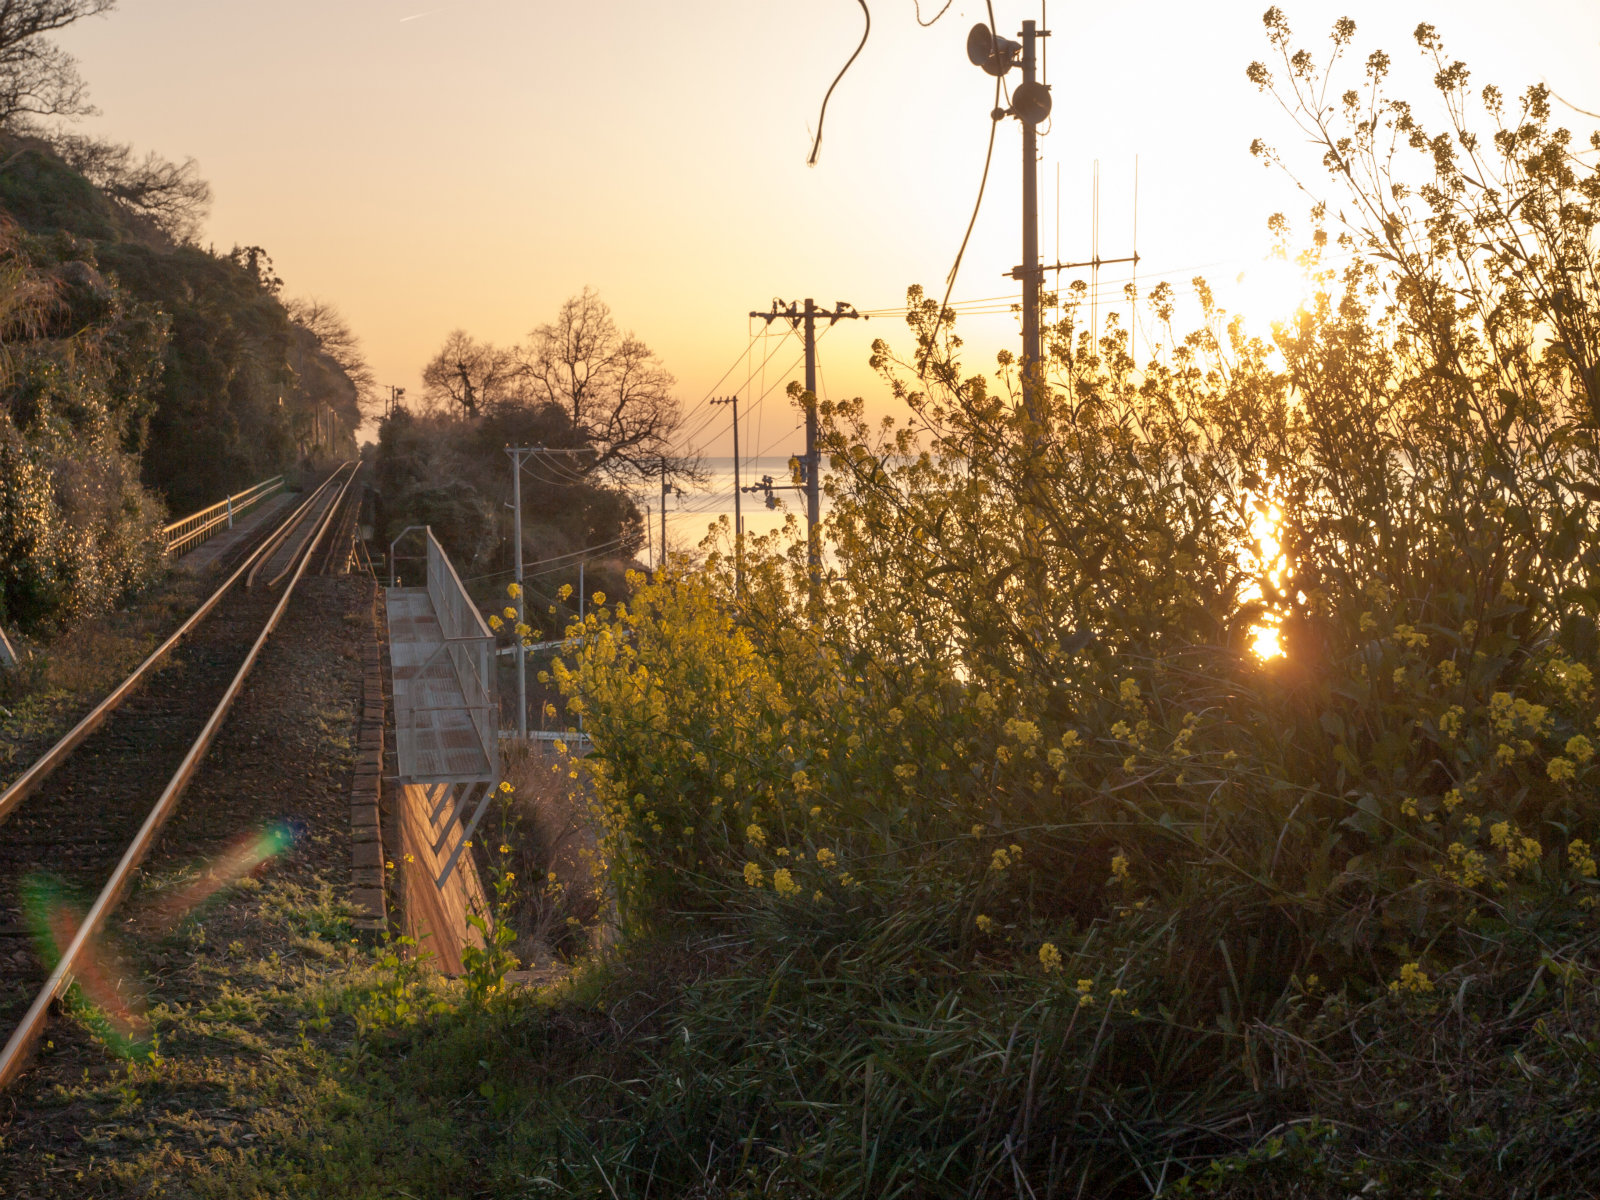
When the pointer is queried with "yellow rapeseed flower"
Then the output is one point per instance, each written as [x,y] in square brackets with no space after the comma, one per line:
[1049,957]
[1412,979]
[755,835]
[495,623]
[825,858]
[1119,867]
[509,613]
[783,883]
[1560,770]
[514,590]
[1580,748]
[1581,858]
[753,874]
[984,924]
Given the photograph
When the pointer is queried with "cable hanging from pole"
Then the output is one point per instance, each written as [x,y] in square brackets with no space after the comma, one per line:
[816,145]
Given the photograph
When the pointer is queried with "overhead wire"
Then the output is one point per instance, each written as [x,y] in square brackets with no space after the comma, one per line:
[816,145]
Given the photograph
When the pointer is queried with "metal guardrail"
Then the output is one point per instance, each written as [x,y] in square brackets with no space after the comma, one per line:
[185,534]
[469,643]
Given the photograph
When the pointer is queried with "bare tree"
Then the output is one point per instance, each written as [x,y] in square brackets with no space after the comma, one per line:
[609,383]
[471,376]
[338,341]
[172,195]
[37,77]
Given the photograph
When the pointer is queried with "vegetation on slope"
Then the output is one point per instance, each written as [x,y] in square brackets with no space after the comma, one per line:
[1003,866]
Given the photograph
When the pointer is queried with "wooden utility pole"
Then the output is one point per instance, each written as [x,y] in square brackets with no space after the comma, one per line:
[806,319]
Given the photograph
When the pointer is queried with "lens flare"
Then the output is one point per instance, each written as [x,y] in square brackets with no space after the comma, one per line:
[109,996]
[244,856]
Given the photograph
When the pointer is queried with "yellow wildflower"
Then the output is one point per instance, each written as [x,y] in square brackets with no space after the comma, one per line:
[783,883]
[755,835]
[1581,858]
[1560,769]
[1409,807]
[1070,739]
[1025,732]
[1128,689]
[1450,721]
[599,599]
[1119,867]
[509,613]
[1121,731]
[1412,979]
[1368,622]
[1049,957]
[825,858]
[495,623]
[1580,748]
[1505,755]
[753,875]
[1085,993]
[984,924]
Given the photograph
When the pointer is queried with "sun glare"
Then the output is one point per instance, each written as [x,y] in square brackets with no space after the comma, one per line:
[1270,562]
[1272,290]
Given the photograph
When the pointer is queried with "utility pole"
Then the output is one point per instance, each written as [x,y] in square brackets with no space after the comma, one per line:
[738,517]
[807,317]
[1030,104]
[396,394]
[1033,279]
[518,453]
[666,488]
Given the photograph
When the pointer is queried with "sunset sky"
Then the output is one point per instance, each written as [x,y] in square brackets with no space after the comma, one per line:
[427,165]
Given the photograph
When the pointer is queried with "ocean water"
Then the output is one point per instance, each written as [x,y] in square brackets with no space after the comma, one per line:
[698,506]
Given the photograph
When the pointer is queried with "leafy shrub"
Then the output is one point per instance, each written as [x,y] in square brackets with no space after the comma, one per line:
[1017,757]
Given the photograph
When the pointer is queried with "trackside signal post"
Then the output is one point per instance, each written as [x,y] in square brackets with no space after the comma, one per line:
[806,319]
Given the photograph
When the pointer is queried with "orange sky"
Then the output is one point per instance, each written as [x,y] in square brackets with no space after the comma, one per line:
[426,165]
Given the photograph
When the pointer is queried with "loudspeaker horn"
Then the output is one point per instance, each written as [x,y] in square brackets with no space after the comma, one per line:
[996,55]
[1031,102]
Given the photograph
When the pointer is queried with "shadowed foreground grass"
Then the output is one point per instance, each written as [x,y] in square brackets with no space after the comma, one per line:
[845,1048]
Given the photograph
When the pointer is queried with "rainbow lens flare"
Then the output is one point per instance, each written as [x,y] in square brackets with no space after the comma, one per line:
[248,854]
[109,996]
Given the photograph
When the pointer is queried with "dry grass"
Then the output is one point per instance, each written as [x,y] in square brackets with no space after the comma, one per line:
[559,904]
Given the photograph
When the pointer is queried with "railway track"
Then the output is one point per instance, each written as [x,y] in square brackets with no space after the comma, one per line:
[88,811]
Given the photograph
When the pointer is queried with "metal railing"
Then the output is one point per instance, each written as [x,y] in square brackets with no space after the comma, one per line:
[185,534]
[465,657]
[469,644]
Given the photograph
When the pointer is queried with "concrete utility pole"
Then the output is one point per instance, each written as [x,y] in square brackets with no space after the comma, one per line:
[518,453]
[665,489]
[807,317]
[1031,272]
[738,516]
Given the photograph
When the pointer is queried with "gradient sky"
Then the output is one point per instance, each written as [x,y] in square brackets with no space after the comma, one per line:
[428,165]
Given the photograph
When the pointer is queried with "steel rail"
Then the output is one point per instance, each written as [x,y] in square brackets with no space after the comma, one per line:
[286,530]
[333,508]
[25,784]
[14,1056]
